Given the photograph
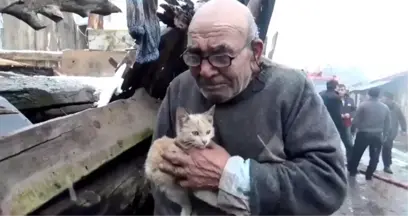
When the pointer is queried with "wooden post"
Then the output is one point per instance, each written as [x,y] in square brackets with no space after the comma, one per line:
[95,21]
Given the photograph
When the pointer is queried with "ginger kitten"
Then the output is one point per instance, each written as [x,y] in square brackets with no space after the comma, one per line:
[192,131]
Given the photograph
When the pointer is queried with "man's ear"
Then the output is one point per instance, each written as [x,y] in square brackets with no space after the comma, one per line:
[257,49]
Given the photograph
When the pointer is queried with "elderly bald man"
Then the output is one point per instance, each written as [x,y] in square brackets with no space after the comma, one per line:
[256,101]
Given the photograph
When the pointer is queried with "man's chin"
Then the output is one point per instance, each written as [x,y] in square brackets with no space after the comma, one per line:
[215,97]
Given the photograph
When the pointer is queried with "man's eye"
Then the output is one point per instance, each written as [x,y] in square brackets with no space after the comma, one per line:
[195,133]
[220,60]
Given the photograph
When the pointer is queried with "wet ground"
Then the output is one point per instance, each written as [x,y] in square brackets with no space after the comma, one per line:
[377,197]
[374,198]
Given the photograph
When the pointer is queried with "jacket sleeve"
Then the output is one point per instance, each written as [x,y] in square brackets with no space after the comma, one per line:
[312,181]
[401,119]
[387,125]
[334,106]
[353,107]
[357,118]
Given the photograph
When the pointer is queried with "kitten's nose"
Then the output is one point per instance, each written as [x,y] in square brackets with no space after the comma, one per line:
[204,142]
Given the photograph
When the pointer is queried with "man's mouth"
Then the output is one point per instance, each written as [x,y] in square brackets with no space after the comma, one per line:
[213,87]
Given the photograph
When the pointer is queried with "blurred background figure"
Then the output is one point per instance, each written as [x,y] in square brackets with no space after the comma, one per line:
[347,113]
[332,101]
[372,120]
[397,120]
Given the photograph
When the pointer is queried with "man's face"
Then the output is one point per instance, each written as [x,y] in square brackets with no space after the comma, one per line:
[219,84]
[342,91]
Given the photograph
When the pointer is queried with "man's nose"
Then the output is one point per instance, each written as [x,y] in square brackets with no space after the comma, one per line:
[206,69]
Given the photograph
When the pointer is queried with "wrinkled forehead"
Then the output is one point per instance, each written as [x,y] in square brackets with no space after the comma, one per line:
[213,37]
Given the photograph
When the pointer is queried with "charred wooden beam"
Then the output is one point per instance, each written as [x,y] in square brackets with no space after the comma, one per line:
[26,92]
[116,188]
[28,70]
[27,10]
[31,55]
[48,158]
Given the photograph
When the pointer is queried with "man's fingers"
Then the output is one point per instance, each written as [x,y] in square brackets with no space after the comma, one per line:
[173,170]
[175,158]
[185,184]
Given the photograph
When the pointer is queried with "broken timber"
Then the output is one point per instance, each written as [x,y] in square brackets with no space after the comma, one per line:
[38,159]
[26,92]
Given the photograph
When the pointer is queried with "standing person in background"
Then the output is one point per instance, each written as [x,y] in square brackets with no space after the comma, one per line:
[397,119]
[333,103]
[347,110]
[372,120]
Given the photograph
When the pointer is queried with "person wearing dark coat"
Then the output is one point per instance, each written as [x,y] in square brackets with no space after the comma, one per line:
[397,120]
[348,110]
[333,103]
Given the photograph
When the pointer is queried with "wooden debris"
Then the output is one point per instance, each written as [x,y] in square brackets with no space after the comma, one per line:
[26,92]
[28,70]
[41,157]
[89,62]
[26,10]
[95,21]
[117,188]
[6,62]
[24,55]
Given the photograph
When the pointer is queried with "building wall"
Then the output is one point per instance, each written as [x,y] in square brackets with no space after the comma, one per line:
[399,87]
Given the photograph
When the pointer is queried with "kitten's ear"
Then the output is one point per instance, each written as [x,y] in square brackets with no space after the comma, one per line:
[211,111]
[210,114]
[181,115]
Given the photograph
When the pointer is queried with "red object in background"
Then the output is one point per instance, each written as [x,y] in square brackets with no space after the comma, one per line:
[319,80]
[319,76]
[347,122]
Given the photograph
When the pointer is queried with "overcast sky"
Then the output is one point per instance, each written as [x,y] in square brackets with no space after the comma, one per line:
[372,35]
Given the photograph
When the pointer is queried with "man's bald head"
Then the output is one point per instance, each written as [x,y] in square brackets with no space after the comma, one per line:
[229,12]
[223,49]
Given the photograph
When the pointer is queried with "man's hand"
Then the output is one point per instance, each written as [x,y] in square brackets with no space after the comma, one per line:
[198,168]
[346,115]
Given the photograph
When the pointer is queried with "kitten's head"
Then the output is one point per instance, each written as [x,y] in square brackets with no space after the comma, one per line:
[196,130]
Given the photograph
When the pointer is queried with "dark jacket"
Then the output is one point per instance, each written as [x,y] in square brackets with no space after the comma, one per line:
[348,106]
[333,103]
[397,119]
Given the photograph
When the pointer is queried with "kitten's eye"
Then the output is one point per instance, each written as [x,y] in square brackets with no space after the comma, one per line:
[208,132]
[195,133]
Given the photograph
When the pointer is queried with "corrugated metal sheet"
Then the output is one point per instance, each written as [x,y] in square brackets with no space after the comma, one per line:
[369,85]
